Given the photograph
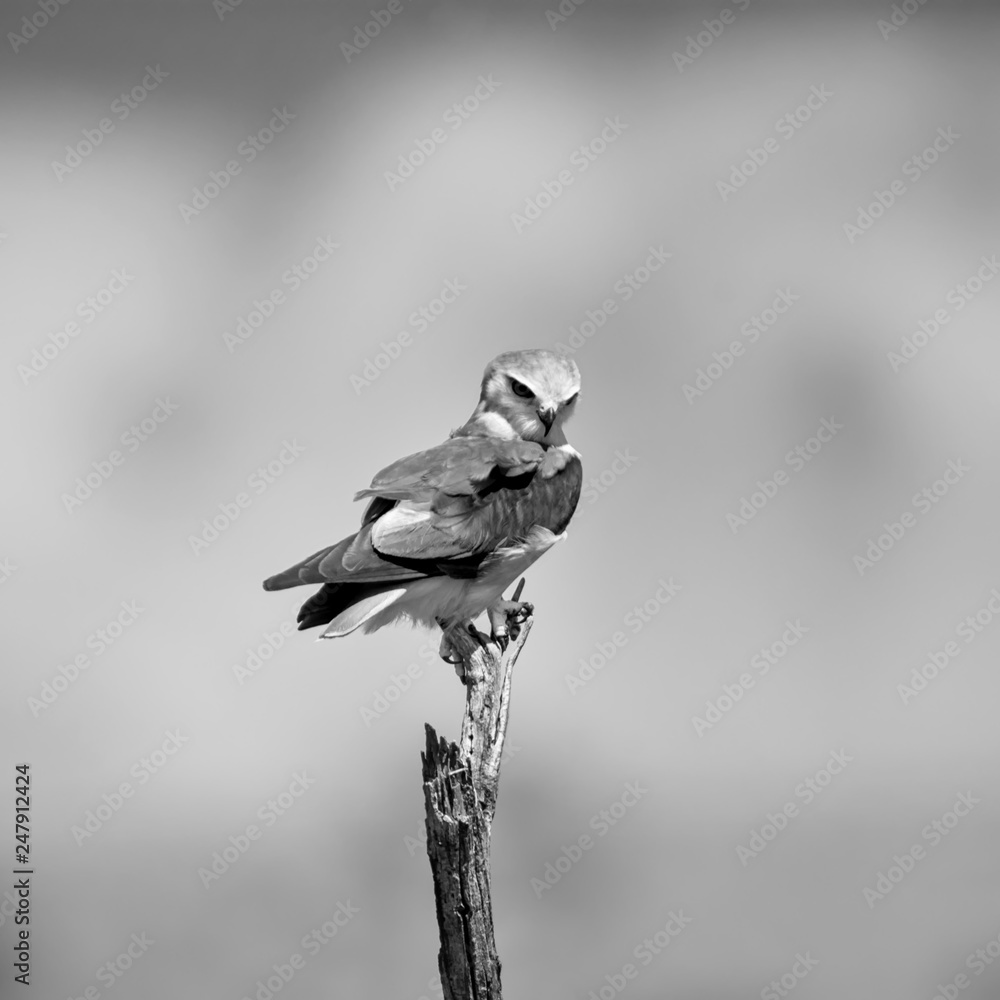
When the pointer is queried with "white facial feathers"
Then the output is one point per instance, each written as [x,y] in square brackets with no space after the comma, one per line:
[534,391]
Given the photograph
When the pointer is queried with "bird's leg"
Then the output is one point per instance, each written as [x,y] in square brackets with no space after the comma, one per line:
[506,617]
[458,642]
[447,650]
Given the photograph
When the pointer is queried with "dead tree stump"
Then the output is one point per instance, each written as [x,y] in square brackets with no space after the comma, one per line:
[460,796]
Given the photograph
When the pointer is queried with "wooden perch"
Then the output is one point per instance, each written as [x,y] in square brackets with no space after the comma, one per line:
[460,795]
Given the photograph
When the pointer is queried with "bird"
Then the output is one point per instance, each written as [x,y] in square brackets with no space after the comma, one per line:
[447,530]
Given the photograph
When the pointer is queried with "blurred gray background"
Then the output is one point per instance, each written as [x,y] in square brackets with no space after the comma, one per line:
[702,164]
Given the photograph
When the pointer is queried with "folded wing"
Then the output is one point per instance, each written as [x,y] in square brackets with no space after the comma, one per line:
[476,495]
[442,511]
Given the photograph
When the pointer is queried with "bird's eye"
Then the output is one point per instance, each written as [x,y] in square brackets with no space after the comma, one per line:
[572,399]
[520,389]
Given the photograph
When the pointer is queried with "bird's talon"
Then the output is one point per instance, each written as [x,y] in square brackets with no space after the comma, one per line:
[506,618]
[448,650]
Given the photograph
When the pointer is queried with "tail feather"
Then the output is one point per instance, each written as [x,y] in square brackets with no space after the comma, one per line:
[334,600]
[357,584]
[361,611]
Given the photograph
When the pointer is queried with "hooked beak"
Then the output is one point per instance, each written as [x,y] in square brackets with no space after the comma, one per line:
[547,415]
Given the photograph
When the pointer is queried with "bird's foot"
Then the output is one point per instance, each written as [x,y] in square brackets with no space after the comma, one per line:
[506,618]
[458,642]
[448,650]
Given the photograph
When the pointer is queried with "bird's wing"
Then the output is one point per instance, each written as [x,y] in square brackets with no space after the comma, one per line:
[363,565]
[442,511]
[460,467]
[468,497]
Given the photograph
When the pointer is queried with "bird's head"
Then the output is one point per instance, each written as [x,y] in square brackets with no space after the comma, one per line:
[534,391]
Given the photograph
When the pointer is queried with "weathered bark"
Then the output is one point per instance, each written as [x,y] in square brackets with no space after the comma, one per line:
[460,794]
